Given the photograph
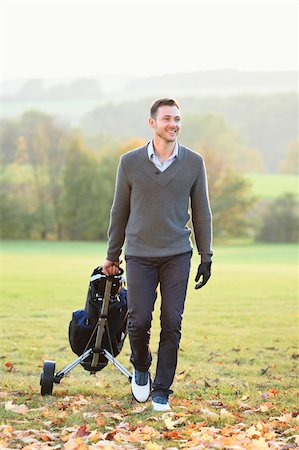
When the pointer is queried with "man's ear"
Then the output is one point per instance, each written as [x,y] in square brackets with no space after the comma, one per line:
[152,122]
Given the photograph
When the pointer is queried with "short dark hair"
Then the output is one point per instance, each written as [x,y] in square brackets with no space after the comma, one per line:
[162,102]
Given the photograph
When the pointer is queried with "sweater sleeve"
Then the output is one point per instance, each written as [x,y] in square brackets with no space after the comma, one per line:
[201,214]
[119,214]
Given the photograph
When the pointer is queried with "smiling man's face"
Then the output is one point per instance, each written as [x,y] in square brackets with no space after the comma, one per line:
[167,124]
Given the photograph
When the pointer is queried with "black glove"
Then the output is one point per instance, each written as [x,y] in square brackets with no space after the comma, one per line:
[204,270]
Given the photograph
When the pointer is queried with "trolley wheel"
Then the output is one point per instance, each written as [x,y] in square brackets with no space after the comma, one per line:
[47,378]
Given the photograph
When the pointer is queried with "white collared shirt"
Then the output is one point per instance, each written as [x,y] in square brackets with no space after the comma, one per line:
[155,160]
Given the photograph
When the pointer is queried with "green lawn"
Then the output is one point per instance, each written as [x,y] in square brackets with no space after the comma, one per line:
[239,336]
[270,186]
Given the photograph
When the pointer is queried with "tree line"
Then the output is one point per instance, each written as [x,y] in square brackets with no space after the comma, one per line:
[54,185]
[267,124]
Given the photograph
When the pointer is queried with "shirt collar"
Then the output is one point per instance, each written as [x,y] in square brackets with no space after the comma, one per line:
[151,150]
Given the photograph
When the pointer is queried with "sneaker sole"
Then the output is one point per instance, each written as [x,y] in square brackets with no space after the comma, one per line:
[161,408]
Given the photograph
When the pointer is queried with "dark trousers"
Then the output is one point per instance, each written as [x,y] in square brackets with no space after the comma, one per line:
[143,276]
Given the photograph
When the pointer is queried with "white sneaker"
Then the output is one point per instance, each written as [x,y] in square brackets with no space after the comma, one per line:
[160,403]
[141,385]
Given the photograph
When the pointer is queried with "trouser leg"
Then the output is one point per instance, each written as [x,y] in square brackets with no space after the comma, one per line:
[142,277]
[173,277]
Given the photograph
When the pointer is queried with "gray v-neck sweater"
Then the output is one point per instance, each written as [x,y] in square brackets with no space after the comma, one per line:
[150,210]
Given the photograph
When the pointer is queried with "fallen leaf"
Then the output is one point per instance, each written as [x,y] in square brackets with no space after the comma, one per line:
[100,422]
[8,366]
[253,433]
[174,434]
[263,427]
[19,409]
[182,375]
[139,409]
[209,413]
[225,413]
[82,431]
[75,444]
[169,423]
[284,418]
[273,391]
[265,370]
[6,429]
[153,446]
[259,444]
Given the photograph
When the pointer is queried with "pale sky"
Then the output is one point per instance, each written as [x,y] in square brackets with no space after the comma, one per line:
[73,39]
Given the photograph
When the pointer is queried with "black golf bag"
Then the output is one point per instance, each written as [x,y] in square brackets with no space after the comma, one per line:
[83,326]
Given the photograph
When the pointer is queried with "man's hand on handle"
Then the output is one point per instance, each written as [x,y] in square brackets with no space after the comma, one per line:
[110,267]
[204,270]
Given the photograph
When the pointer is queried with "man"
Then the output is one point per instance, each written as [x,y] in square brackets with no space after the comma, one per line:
[155,187]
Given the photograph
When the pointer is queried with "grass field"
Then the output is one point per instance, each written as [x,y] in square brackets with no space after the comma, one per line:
[270,186]
[237,361]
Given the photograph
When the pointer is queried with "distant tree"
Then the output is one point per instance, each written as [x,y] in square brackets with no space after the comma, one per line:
[77,89]
[32,160]
[280,220]
[8,138]
[266,122]
[32,90]
[213,131]
[16,216]
[43,145]
[79,202]
[230,195]
[290,164]
[131,144]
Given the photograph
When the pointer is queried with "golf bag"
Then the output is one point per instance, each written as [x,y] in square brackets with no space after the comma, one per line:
[84,323]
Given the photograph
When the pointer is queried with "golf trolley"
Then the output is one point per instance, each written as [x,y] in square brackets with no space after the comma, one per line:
[96,333]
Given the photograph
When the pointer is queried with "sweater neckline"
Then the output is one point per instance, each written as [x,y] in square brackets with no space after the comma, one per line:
[162,178]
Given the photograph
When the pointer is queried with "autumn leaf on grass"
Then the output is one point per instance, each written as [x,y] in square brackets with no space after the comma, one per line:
[284,418]
[225,413]
[19,409]
[100,422]
[139,409]
[95,436]
[7,430]
[47,436]
[81,402]
[143,433]
[265,406]
[75,433]
[153,446]
[170,424]
[75,444]
[228,441]
[110,415]
[259,444]
[244,406]
[209,413]
[182,375]
[8,366]
[271,393]
[82,431]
